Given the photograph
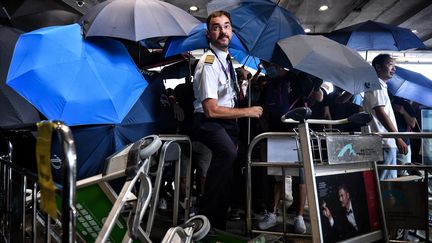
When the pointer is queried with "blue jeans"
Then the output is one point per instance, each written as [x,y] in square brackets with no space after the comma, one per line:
[389,159]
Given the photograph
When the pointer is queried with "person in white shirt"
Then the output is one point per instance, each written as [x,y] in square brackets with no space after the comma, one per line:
[377,103]
[215,118]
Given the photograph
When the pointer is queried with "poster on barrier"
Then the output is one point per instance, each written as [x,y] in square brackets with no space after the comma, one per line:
[349,205]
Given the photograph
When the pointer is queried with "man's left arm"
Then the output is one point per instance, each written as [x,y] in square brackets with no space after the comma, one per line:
[387,123]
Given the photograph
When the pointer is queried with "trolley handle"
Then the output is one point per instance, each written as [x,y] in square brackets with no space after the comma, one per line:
[301,115]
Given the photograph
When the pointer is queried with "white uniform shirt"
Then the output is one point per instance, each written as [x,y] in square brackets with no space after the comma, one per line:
[380,98]
[212,80]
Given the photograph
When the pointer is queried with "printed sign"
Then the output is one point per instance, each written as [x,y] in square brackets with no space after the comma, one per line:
[354,148]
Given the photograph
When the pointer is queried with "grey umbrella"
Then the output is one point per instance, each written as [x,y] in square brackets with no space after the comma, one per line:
[328,60]
[137,20]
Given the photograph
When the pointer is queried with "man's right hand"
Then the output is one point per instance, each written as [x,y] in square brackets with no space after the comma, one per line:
[326,211]
[402,147]
[255,111]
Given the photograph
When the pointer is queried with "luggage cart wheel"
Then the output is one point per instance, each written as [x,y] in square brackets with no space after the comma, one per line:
[149,146]
[200,225]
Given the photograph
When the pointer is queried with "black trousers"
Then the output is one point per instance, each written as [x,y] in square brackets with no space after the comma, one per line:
[220,136]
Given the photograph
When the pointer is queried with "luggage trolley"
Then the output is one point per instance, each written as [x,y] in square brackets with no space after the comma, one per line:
[406,198]
[100,207]
[171,150]
[133,162]
[350,160]
[21,217]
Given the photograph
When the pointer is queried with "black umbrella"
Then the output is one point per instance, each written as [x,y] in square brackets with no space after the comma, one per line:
[34,14]
[14,108]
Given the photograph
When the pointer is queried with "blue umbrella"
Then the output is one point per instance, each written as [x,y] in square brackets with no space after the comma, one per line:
[75,80]
[94,143]
[245,59]
[371,35]
[197,39]
[259,24]
[412,86]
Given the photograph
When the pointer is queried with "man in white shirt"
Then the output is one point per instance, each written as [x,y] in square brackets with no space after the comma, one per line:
[377,103]
[215,118]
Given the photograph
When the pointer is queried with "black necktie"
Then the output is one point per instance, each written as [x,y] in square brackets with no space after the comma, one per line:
[233,76]
[349,212]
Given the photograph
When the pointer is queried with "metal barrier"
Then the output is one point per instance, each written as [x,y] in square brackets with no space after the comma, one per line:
[415,191]
[316,170]
[20,218]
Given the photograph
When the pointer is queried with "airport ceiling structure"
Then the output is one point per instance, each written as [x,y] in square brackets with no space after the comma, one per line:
[412,14]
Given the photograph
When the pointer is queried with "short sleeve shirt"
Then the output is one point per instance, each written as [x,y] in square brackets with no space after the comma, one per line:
[376,98]
[212,80]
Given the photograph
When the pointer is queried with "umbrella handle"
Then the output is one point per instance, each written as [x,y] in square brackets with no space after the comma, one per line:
[251,81]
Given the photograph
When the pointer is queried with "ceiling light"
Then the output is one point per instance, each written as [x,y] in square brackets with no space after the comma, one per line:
[193,8]
[80,3]
[307,30]
[323,8]
[414,31]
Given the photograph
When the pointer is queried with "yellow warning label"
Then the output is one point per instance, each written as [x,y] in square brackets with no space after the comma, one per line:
[45,179]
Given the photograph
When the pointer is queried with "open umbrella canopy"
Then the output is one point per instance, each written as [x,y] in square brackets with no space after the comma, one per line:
[328,60]
[14,108]
[137,20]
[197,39]
[412,86]
[371,35]
[30,15]
[75,80]
[259,24]
[94,143]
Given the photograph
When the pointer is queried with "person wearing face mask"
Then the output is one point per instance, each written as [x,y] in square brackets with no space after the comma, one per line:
[377,103]
[215,116]
[285,90]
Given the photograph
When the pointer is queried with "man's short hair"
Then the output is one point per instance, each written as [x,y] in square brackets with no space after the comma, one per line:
[343,187]
[381,60]
[217,14]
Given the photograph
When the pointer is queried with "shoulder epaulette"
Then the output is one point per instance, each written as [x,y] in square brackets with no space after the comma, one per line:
[209,59]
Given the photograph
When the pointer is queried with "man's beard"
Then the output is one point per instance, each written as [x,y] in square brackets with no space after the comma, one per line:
[223,44]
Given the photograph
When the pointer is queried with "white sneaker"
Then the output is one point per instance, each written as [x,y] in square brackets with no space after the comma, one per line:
[268,221]
[162,204]
[299,225]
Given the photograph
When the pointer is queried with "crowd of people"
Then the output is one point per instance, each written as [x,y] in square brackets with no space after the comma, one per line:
[211,107]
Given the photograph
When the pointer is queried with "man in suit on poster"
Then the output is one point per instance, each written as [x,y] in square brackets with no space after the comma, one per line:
[349,221]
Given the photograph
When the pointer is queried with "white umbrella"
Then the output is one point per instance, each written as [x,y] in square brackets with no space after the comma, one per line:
[137,20]
[328,60]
